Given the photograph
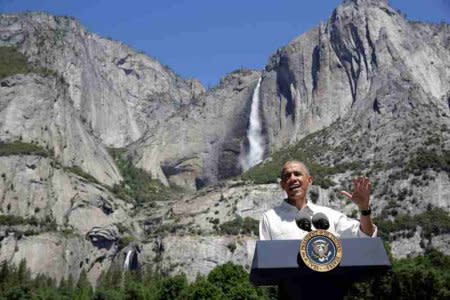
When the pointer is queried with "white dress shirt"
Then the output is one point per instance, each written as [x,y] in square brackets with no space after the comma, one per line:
[278,223]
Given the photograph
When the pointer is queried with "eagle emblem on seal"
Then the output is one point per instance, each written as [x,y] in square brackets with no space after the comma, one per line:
[320,250]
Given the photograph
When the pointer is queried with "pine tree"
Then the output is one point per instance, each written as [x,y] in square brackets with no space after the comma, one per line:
[66,286]
[173,287]
[4,274]
[83,289]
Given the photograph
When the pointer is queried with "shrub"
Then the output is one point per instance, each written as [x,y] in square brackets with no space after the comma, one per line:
[11,220]
[231,247]
[138,185]
[78,171]
[424,159]
[433,222]
[125,241]
[173,287]
[13,62]
[19,148]
[202,289]
[240,225]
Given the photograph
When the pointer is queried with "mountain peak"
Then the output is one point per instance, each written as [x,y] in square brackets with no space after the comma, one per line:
[365,2]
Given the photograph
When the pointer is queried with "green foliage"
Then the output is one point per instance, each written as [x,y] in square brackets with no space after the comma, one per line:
[111,294]
[433,222]
[424,159]
[125,241]
[240,225]
[78,171]
[109,279]
[15,282]
[134,291]
[137,185]
[424,277]
[173,287]
[232,280]
[67,286]
[11,220]
[202,289]
[83,289]
[231,247]
[19,148]
[46,224]
[306,151]
[168,228]
[13,62]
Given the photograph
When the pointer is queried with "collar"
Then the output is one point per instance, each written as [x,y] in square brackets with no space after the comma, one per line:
[310,207]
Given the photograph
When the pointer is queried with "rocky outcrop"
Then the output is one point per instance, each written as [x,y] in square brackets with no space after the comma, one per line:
[56,255]
[103,238]
[36,109]
[198,254]
[441,243]
[410,246]
[33,186]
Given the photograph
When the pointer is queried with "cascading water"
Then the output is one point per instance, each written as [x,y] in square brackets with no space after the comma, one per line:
[255,151]
[126,264]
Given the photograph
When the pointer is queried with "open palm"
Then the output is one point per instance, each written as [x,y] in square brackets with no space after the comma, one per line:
[361,192]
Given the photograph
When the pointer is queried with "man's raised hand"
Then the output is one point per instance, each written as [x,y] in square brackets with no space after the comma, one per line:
[361,192]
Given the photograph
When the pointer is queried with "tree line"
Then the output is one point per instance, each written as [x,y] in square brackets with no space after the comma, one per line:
[424,277]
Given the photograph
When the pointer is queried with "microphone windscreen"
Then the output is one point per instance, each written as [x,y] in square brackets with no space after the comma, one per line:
[320,221]
[303,222]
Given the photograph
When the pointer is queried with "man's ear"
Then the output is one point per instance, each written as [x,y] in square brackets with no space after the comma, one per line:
[310,179]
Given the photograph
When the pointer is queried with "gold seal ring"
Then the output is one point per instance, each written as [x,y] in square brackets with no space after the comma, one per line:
[321,251]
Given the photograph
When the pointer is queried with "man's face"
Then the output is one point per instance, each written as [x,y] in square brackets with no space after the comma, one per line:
[295,180]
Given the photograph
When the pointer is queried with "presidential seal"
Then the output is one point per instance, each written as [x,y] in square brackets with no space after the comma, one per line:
[321,251]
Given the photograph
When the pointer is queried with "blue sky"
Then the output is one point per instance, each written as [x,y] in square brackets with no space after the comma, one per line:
[206,39]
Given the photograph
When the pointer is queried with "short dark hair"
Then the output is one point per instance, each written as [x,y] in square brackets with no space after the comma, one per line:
[294,162]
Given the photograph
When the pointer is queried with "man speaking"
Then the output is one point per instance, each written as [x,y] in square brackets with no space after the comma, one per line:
[292,218]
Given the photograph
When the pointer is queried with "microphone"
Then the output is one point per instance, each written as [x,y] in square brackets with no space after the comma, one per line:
[320,221]
[303,222]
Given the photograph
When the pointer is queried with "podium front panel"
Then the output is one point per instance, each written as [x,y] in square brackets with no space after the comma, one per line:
[278,260]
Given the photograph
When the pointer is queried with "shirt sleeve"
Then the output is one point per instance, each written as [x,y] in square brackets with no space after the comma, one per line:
[348,228]
[362,234]
[264,229]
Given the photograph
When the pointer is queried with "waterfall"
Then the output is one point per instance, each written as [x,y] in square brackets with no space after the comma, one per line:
[126,264]
[255,151]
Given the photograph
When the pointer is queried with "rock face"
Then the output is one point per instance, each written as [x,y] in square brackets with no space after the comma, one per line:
[56,255]
[353,62]
[45,191]
[33,187]
[367,90]
[202,142]
[408,246]
[199,255]
[120,93]
[36,109]
[69,223]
